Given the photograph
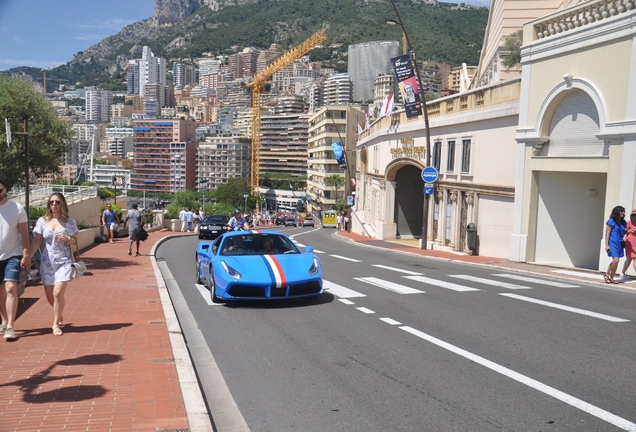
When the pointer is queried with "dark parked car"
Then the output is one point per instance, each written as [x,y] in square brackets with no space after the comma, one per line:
[213,226]
[290,221]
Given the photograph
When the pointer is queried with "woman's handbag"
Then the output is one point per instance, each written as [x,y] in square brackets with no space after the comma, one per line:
[79,268]
[142,235]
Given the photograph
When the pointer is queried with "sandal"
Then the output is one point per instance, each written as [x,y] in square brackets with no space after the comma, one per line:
[614,281]
[137,254]
[129,252]
[607,278]
[57,331]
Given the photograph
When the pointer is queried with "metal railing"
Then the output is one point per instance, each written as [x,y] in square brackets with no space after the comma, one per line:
[39,194]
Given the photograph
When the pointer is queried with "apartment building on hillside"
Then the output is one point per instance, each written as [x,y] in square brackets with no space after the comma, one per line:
[164,155]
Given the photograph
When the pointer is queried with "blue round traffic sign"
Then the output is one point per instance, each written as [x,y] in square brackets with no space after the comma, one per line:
[429,174]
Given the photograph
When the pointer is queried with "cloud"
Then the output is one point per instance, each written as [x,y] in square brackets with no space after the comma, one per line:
[89,37]
[17,40]
[114,24]
[8,63]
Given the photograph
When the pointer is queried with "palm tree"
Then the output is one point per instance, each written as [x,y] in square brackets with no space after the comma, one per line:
[336,181]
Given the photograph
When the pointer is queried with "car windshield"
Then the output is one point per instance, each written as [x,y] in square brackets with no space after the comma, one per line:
[216,220]
[257,244]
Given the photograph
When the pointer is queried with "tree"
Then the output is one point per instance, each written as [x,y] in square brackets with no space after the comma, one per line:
[513,46]
[336,181]
[48,136]
[232,193]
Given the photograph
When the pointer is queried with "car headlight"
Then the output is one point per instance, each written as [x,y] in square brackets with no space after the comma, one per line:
[314,267]
[204,227]
[230,271]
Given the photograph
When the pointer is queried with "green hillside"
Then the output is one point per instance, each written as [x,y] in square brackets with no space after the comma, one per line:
[437,32]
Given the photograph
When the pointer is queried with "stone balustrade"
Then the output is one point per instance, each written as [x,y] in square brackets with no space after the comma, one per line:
[580,15]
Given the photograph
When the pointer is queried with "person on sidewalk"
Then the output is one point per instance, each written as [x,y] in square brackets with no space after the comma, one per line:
[182,218]
[14,253]
[189,219]
[339,222]
[630,244]
[196,220]
[59,232]
[347,221]
[614,233]
[136,222]
[108,219]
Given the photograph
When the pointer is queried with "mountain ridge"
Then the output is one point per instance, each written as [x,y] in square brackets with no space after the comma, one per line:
[186,29]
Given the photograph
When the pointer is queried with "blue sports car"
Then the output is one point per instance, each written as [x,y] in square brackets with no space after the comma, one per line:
[257,265]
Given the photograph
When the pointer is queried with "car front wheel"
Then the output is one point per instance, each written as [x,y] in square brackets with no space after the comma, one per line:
[198,277]
[215,298]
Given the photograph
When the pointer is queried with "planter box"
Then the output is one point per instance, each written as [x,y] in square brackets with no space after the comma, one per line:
[86,237]
[172,224]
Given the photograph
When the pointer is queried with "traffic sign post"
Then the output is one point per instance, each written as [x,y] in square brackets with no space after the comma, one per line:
[430,174]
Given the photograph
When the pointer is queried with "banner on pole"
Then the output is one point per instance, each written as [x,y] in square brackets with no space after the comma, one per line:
[407,80]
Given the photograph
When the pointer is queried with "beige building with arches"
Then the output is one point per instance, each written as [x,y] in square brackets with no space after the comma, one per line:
[576,140]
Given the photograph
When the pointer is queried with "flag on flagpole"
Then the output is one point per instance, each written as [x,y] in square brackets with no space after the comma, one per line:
[359,128]
[366,123]
[387,105]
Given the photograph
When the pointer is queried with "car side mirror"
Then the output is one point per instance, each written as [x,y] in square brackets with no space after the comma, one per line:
[309,249]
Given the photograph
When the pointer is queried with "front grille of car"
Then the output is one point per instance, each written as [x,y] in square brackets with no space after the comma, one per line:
[312,287]
[239,290]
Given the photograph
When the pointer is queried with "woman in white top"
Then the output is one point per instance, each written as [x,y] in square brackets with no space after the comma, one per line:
[59,232]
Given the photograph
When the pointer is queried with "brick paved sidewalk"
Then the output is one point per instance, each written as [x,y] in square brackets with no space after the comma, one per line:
[112,370]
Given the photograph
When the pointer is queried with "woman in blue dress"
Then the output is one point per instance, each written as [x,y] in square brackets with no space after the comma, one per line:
[614,233]
[59,232]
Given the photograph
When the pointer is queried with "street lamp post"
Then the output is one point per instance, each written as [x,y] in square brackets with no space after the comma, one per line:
[146,183]
[425,110]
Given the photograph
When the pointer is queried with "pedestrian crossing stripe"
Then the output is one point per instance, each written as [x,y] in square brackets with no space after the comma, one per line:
[442,284]
[391,286]
[340,291]
[490,282]
[536,281]
[395,269]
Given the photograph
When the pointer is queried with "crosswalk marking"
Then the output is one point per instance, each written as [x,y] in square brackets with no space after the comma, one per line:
[319,251]
[391,286]
[566,308]
[345,258]
[365,310]
[345,301]
[490,282]
[409,272]
[537,281]
[580,274]
[205,294]
[340,291]
[441,284]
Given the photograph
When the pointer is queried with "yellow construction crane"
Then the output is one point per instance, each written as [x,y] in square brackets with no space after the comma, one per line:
[258,83]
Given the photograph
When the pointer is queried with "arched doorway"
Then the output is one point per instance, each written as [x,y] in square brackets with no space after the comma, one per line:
[409,199]
[569,207]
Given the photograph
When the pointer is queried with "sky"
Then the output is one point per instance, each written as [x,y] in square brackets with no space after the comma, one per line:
[47,33]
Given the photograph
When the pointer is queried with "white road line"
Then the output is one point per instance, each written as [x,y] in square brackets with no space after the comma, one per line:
[340,291]
[345,258]
[580,274]
[566,308]
[365,310]
[441,284]
[550,391]
[299,245]
[409,272]
[345,301]
[490,282]
[390,321]
[537,281]
[319,251]
[205,294]
[391,286]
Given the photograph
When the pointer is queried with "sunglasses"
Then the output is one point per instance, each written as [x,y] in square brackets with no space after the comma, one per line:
[55,202]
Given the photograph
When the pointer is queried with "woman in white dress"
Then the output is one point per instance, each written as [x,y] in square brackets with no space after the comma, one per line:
[59,232]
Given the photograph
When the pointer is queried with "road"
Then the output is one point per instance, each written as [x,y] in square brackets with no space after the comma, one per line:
[407,343]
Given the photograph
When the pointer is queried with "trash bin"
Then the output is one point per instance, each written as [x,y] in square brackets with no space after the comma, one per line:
[471,236]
